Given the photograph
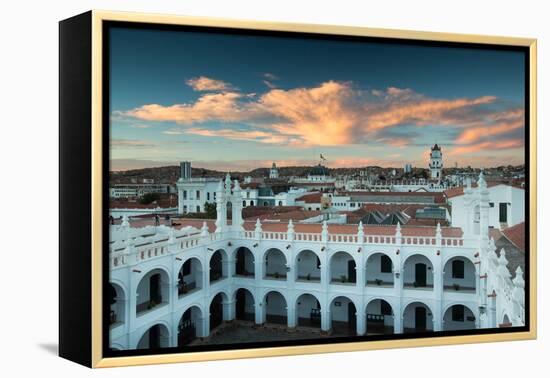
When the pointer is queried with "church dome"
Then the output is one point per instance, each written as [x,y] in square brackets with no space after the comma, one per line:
[319,170]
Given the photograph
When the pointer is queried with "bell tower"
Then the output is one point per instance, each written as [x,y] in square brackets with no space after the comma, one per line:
[436,163]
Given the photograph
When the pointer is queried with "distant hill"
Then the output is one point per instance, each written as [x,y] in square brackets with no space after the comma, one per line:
[170,174]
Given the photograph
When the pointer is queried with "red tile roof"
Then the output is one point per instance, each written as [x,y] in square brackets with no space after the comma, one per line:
[313,227]
[516,235]
[311,198]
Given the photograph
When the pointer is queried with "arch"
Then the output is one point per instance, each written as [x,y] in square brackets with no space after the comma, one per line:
[505,321]
[117,304]
[380,317]
[152,290]
[308,266]
[418,272]
[458,317]
[274,264]
[116,346]
[155,337]
[244,262]
[244,304]
[216,309]
[188,324]
[218,265]
[343,313]
[190,276]
[459,274]
[308,310]
[342,267]
[417,317]
[276,307]
[379,270]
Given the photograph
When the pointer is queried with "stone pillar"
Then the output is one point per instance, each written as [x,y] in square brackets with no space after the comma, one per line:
[361,322]
[291,315]
[326,320]
[398,317]
[202,326]
[259,312]
[229,310]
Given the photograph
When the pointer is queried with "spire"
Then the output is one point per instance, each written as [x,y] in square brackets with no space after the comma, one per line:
[204,230]
[236,187]
[398,230]
[258,227]
[518,279]
[290,226]
[481,181]
[228,184]
[125,221]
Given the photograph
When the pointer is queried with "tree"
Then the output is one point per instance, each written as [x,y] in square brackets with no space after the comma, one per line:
[148,198]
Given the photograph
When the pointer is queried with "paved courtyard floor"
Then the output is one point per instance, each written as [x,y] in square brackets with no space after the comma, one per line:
[247,332]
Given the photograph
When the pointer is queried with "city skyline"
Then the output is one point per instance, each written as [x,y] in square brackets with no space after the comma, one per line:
[252,100]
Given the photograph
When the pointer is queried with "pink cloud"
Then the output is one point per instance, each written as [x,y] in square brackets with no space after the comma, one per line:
[203,83]
[332,113]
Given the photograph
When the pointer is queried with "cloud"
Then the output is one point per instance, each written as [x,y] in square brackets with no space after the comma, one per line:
[130,143]
[203,83]
[485,146]
[269,79]
[140,126]
[335,113]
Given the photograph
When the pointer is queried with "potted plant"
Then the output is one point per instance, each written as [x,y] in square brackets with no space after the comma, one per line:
[276,275]
[308,277]
[415,284]
[343,278]
[456,286]
[378,281]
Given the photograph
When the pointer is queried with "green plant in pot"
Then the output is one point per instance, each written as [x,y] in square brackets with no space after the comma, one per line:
[343,278]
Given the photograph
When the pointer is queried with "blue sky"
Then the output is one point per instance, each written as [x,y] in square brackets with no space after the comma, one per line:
[238,102]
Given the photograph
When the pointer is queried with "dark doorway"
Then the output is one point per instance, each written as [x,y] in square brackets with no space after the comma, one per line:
[240,262]
[216,312]
[420,318]
[352,318]
[352,274]
[503,212]
[186,329]
[420,274]
[154,336]
[154,289]
[240,306]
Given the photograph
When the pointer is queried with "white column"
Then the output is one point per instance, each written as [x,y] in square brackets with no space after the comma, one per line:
[259,312]
[202,326]
[326,321]
[229,310]
[361,322]
[398,317]
[291,315]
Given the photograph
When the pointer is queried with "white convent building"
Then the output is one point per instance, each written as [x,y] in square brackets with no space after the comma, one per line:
[172,285]
[436,163]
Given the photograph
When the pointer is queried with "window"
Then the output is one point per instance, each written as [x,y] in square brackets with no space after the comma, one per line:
[198,209]
[208,196]
[214,196]
[244,203]
[385,308]
[491,204]
[198,194]
[458,269]
[458,313]
[385,264]
[185,194]
[503,212]
[251,203]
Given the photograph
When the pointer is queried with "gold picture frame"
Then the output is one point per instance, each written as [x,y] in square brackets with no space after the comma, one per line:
[96,19]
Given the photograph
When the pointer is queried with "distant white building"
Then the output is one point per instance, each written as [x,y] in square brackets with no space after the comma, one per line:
[274,172]
[506,208]
[138,190]
[408,168]
[436,163]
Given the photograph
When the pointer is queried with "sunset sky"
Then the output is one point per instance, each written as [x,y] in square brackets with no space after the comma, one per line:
[231,102]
